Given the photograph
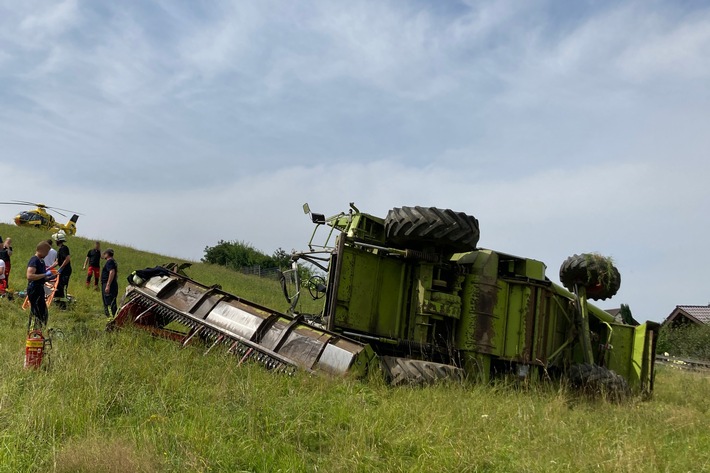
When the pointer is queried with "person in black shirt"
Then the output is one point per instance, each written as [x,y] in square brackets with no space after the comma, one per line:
[109,283]
[37,275]
[64,269]
[93,259]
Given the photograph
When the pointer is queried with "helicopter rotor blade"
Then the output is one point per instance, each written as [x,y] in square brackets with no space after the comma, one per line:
[17,203]
[56,209]
[57,212]
[24,202]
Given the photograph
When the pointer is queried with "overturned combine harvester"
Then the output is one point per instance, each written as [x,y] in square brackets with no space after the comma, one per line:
[412,295]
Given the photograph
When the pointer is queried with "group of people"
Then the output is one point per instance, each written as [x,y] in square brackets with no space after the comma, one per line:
[41,269]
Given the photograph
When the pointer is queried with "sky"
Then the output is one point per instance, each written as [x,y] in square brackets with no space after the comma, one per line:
[564,127]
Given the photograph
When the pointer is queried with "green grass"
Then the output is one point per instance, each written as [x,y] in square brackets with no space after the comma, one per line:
[266,292]
[125,402]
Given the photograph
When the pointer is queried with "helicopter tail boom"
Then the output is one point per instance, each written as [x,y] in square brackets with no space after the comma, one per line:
[70,227]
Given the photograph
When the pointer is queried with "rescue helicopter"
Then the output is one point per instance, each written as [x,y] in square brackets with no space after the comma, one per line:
[40,217]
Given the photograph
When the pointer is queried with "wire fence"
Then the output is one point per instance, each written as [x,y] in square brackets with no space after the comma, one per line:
[261,271]
[683,363]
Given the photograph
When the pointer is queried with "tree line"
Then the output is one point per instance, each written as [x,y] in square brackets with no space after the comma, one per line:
[240,254]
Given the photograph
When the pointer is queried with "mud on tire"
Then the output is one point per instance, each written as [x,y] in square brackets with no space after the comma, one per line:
[595,273]
[596,380]
[420,227]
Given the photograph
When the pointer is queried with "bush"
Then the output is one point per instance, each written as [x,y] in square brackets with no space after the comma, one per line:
[691,341]
[240,254]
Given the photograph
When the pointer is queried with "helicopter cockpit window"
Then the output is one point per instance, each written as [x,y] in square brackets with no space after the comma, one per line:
[30,217]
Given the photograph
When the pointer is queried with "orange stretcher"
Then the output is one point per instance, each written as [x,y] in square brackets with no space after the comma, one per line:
[50,287]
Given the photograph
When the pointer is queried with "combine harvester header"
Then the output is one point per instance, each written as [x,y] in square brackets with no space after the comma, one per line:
[278,341]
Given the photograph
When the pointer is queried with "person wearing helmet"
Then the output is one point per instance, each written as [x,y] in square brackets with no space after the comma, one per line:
[63,269]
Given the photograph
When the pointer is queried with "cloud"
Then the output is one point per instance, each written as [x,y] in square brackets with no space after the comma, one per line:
[663,49]
[43,23]
[218,46]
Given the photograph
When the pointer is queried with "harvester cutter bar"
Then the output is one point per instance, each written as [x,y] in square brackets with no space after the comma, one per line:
[250,331]
[206,330]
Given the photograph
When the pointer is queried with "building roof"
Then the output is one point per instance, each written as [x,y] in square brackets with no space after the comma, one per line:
[699,314]
[616,313]
[619,316]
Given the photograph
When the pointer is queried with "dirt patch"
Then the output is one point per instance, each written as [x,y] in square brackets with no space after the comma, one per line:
[105,455]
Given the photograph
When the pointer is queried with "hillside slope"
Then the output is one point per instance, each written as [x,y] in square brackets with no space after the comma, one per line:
[265,292]
[126,402]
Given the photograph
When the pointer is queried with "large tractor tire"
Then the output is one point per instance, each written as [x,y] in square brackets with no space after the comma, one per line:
[593,272]
[405,371]
[597,380]
[425,227]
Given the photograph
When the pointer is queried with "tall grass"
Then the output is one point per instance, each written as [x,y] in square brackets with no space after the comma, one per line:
[126,402]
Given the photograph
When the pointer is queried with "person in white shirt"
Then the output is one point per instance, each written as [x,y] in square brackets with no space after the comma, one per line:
[51,259]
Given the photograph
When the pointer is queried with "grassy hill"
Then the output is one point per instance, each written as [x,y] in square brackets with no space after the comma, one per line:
[125,402]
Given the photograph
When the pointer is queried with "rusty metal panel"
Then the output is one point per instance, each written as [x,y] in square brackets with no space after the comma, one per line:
[205,304]
[495,326]
[518,316]
[274,333]
[304,345]
[543,320]
[529,324]
[483,297]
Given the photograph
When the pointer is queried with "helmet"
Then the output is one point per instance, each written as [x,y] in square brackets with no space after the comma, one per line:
[59,236]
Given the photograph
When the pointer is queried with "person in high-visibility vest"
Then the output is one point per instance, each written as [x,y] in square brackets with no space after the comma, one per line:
[37,275]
